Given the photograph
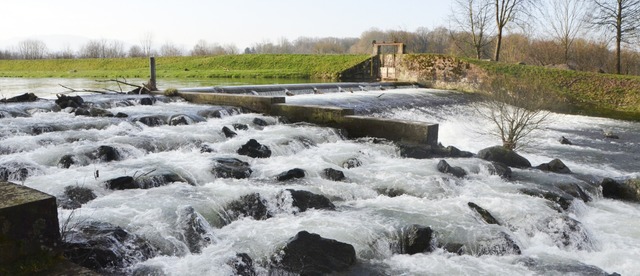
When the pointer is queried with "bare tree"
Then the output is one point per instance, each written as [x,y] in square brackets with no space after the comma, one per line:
[168,49]
[102,48]
[135,51]
[515,110]
[508,11]
[146,43]
[473,19]
[566,19]
[32,49]
[621,17]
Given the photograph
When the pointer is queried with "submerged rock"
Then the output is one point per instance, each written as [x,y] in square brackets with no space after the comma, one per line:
[555,165]
[561,266]
[240,127]
[311,254]
[416,239]
[504,156]
[254,149]
[152,120]
[180,120]
[105,247]
[566,232]
[628,190]
[501,244]
[305,200]
[75,196]
[563,200]
[501,170]
[333,174]
[231,168]
[251,205]
[195,230]
[260,122]
[66,161]
[351,163]
[242,265]
[484,214]
[107,154]
[291,174]
[444,167]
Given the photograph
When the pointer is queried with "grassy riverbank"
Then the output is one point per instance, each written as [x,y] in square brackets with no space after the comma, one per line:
[325,67]
[588,93]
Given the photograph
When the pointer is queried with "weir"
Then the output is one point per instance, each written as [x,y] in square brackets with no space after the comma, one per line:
[269,99]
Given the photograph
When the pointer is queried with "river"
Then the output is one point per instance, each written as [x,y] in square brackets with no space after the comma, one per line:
[585,239]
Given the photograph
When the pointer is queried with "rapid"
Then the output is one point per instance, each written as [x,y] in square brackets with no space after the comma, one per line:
[375,202]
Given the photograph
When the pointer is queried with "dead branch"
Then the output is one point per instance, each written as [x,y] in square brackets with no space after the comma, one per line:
[72,90]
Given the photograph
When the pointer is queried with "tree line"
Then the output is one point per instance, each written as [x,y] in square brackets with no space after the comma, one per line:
[588,35]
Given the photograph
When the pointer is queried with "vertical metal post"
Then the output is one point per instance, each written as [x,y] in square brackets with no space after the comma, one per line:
[152,73]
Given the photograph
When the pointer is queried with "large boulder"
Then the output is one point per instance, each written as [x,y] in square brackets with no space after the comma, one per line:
[505,156]
[311,254]
[65,101]
[304,200]
[254,149]
[444,167]
[26,97]
[231,168]
[416,239]
[105,247]
[75,196]
[291,174]
[251,205]
[628,190]
[555,165]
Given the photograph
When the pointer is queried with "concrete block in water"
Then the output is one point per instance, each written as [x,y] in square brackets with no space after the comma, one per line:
[322,115]
[28,224]
[254,103]
[392,129]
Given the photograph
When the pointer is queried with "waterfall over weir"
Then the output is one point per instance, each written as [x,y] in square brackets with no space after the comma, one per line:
[155,188]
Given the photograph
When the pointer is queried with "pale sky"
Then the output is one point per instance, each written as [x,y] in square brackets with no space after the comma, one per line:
[241,22]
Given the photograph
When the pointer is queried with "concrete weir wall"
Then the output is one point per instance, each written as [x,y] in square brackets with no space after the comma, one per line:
[28,225]
[344,118]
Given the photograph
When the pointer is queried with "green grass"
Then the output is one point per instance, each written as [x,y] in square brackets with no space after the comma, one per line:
[594,94]
[225,66]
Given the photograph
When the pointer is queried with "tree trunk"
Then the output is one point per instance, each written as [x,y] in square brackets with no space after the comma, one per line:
[496,56]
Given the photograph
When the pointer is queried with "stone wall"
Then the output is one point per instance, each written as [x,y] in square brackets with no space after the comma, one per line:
[442,72]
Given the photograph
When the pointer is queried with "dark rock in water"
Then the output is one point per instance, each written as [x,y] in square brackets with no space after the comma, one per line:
[240,127]
[390,192]
[333,174]
[75,196]
[251,205]
[231,168]
[180,120]
[260,122]
[121,115]
[93,112]
[561,266]
[501,244]
[107,154]
[37,130]
[242,265]
[105,247]
[444,167]
[566,232]
[14,171]
[195,230]
[504,156]
[562,199]
[65,101]
[122,183]
[610,135]
[210,113]
[416,239]
[147,101]
[66,161]
[456,248]
[206,148]
[254,149]
[152,181]
[555,165]
[501,170]
[145,270]
[419,151]
[351,163]
[291,174]
[26,97]
[576,190]
[228,132]
[628,190]
[486,216]
[565,141]
[152,120]
[304,200]
[311,254]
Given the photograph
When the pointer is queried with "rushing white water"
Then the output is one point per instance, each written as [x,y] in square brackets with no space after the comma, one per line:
[608,236]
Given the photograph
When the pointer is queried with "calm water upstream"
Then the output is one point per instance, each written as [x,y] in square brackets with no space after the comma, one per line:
[588,238]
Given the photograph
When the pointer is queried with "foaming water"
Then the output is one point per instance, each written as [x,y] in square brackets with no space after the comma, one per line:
[374,203]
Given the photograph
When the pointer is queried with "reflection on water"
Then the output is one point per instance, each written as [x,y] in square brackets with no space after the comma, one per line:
[49,87]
